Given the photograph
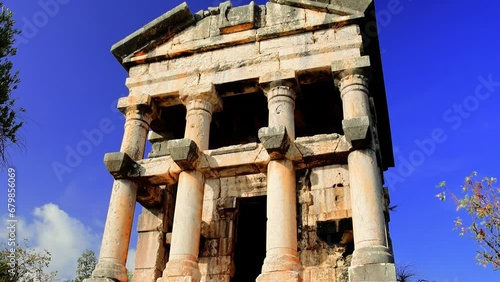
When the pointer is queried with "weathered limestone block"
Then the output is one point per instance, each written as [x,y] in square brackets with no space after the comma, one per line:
[244,186]
[200,30]
[280,14]
[317,61]
[139,70]
[170,22]
[373,273]
[233,53]
[216,265]
[184,152]
[189,64]
[316,18]
[154,258]
[154,68]
[346,32]
[210,248]
[212,189]
[357,129]
[291,41]
[152,220]
[119,164]
[159,144]
[292,276]
[275,140]
[215,229]
[319,274]
[329,176]
[237,19]
[216,278]
[146,274]
[212,43]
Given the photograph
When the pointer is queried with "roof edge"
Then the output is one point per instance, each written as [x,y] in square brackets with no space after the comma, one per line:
[169,23]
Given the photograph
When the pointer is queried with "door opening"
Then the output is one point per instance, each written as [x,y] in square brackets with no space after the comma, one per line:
[250,247]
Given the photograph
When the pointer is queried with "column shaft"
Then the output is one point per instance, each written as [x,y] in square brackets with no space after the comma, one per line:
[282,262]
[116,237]
[366,195]
[365,184]
[184,249]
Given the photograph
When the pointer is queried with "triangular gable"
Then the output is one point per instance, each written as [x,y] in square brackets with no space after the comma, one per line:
[179,24]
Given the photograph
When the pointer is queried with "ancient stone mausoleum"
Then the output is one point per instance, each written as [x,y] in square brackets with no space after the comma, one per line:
[270,133]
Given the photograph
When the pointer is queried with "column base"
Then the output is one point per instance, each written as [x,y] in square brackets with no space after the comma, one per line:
[281,267]
[380,272]
[109,270]
[285,262]
[372,255]
[181,271]
[280,276]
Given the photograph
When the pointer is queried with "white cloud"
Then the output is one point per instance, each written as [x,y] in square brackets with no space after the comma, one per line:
[65,237]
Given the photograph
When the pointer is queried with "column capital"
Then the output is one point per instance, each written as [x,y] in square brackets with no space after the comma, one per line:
[352,81]
[279,83]
[135,102]
[202,97]
[141,107]
[351,71]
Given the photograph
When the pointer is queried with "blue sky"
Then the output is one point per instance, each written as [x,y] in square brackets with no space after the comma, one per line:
[442,73]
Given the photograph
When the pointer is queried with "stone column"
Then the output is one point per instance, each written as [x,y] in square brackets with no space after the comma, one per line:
[115,242]
[200,102]
[281,262]
[372,259]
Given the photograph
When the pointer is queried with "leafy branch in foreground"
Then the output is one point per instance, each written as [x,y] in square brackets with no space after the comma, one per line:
[9,114]
[480,199]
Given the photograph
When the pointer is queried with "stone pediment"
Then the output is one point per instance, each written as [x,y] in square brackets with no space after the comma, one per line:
[180,32]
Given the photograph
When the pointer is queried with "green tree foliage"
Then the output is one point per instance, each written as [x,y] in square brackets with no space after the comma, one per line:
[480,199]
[9,118]
[24,264]
[86,264]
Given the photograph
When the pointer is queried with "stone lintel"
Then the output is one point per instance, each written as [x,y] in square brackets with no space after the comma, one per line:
[279,78]
[167,25]
[305,152]
[157,171]
[237,18]
[343,68]
[357,131]
[184,152]
[275,140]
[119,164]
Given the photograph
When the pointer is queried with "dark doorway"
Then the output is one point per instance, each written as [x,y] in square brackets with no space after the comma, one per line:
[250,249]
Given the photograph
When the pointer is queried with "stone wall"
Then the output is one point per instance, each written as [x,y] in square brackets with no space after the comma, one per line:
[323,203]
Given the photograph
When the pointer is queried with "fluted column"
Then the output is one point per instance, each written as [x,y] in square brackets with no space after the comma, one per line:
[372,260]
[281,262]
[115,242]
[185,244]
